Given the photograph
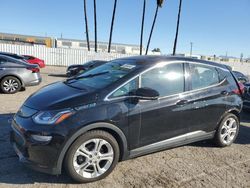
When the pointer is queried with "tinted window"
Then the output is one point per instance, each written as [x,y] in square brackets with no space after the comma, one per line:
[126,89]
[167,80]
[203,76]
[2,61]
[112,72]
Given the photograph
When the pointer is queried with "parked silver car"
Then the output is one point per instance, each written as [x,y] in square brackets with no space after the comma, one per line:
[16,74]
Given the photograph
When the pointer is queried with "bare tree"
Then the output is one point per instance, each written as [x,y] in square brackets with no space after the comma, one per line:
[142,25]
[159,4]
[112,25]
[177,28]
[86,24]
[95,20]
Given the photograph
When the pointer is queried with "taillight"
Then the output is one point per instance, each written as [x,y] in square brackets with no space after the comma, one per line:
[34,70]
[241,89]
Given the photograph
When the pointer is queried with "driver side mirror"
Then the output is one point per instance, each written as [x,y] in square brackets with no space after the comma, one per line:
[147,94]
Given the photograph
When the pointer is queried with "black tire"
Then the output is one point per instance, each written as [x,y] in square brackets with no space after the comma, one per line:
[95,134]
[218,140]
[16,85]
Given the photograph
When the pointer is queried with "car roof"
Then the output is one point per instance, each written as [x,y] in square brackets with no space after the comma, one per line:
[10,54]
[12,59]
[145,60]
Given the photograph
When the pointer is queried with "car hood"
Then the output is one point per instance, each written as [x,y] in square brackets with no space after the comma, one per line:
[59,95]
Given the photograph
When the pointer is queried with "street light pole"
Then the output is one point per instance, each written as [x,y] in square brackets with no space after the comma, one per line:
[191,49]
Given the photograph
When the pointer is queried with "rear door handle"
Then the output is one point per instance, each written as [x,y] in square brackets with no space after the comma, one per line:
[182,102]
[225,93]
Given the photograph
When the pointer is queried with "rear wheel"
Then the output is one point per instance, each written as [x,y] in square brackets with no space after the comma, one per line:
[10,85]
[92,156]
[227,131]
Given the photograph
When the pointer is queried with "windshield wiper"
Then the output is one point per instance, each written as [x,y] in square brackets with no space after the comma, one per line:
[87,76]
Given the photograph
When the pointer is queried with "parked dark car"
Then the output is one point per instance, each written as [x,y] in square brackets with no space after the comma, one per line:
[241,77]
[16,74]
[15,56]
[246,95]
[74,70]
[124,109]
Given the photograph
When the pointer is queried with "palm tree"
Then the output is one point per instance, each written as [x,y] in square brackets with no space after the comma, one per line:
[86,24]
[112,25]
[95,20]
[177,28]
[142,25]
[159,4]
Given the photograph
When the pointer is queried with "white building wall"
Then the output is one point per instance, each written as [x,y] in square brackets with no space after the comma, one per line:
[66,57]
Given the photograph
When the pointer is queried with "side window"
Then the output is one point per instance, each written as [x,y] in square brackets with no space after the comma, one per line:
[167,80]
[2,61]
[126,89]
[203,76]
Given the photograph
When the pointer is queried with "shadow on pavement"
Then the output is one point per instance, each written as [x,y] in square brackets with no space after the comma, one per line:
[58,75]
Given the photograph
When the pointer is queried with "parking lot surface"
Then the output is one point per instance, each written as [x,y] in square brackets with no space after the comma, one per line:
[195,165]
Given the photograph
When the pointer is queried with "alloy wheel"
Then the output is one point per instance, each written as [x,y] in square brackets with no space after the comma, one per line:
[228,131]
[93,158]
[10,85]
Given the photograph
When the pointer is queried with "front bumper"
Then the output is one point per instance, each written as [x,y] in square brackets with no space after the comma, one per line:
[40,156]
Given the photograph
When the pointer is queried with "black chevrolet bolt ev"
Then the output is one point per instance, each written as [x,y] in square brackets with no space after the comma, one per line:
[124,109]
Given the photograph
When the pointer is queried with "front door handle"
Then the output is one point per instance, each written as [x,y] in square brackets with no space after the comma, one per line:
[182,102]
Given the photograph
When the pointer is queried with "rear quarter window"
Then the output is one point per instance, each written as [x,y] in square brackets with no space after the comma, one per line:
[226,75]
[203,76]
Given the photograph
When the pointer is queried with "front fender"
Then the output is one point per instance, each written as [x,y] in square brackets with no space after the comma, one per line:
[83,130]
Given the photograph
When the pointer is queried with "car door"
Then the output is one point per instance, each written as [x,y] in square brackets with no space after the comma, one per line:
[166,117]
[208,96]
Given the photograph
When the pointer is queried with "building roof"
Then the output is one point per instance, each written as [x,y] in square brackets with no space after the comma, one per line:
[99,42]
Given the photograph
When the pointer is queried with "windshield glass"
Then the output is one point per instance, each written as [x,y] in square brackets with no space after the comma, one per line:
[105,74]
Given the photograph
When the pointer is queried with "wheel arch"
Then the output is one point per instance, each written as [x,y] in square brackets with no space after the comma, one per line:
[234,111]
[110,128]
[15,76]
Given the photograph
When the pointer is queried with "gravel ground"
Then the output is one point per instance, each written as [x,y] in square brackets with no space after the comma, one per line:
[195,165]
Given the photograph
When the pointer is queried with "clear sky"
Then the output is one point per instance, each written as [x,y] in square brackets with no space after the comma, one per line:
[214,26]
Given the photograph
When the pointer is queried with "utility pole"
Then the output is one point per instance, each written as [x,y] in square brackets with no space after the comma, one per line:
[86,24]
[177,28]
[191,49]
[112,25]
[142,25]
[95,20]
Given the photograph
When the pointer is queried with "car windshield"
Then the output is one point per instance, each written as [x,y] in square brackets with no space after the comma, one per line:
[105,74]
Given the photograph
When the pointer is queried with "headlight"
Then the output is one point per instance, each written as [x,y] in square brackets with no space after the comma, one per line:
[53,117]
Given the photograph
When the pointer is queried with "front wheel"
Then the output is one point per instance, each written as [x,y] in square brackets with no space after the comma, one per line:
[92,156]
[10,85]
[227,131]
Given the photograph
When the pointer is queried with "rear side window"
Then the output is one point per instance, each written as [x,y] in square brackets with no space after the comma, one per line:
[228,76]
[2,61]
[167,80]
[203,76]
